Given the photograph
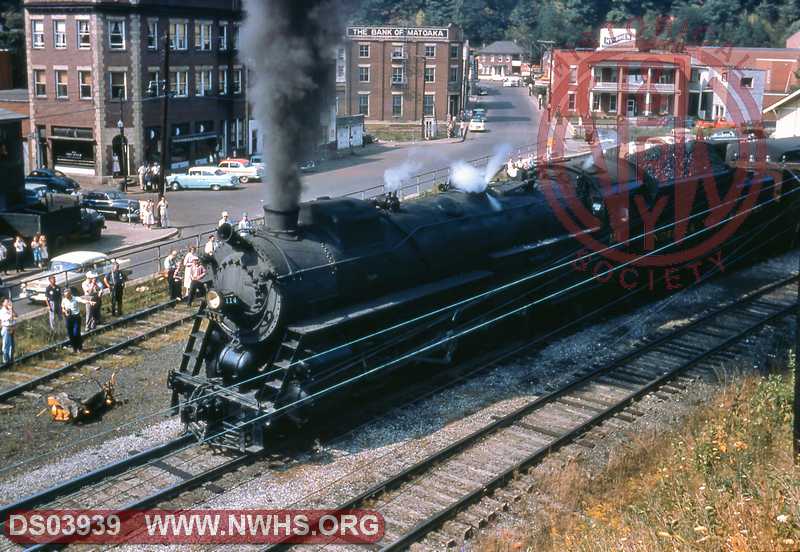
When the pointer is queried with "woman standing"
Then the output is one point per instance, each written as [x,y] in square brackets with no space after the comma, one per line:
[163,212]
[44,253]
[37,259]
[188,261]
[19,250]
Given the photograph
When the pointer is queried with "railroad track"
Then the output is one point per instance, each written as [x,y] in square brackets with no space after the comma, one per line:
[443,499]
[139,481]
[38,367]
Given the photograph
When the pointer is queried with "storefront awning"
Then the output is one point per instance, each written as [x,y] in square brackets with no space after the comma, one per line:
[69,139]
[197,137]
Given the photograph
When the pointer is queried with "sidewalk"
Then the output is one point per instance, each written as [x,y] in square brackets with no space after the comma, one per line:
[118,237]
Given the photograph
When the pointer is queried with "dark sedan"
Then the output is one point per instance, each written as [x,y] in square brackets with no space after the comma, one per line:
[114,204]
[92,224]
[56,181]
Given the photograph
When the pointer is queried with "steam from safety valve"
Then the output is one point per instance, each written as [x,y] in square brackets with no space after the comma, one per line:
[289,47]
[395,177]
[468,178]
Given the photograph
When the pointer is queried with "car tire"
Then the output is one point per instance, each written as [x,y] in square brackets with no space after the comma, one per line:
[243,180]
[216,187]
[123,217]
[176,186]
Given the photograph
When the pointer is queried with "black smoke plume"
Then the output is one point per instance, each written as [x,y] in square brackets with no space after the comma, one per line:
[289,47]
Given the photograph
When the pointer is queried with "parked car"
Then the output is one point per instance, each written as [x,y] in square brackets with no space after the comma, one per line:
[70,270]
[482,92]
[479,112]
[56,181]
[92,224]
[477,124]
[308,166]
[114,204]
[257,159]
[241,168]
[202,178]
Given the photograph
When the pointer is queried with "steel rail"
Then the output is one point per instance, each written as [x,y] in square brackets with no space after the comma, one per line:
[463,443]
[7,393]
[434,521]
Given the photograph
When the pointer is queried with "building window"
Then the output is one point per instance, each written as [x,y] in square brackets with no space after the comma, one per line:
[37,34]
[398,74]
[612,103]
[62,91]
[397,105]
[694,75]
[363,105]
[747,82]
[725,76]
[60,34]
[153,85]
[116,34]
[84,35]
[363,50]
[223,81]
[571,101]
[430,74]
[118,87]
[40,84]
[454,51]
[430,51]
[340,65]
[453,76]
[596,102]
[179,83]
[237,81]
[202,83]
[223,37]
[202,35]
[573,75]
[177,36]
[85,80]
[236,36]
[427,105]
[398,52]
[363,73]
[152,35]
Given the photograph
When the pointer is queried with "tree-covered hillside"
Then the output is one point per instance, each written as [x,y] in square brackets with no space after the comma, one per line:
[575,22]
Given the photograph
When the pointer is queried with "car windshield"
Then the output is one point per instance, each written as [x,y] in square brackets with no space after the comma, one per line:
[62,266]
[60,174]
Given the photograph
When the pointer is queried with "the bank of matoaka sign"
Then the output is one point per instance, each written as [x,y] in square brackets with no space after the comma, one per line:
[399,33]
[656,211]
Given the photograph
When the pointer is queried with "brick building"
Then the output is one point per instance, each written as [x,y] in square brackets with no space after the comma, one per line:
[402,79]
[500,60]
[93,63]
[630,78]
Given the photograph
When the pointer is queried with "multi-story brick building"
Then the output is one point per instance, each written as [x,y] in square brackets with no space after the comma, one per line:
[94,63]
[500,60]
[626,77]
[402,78]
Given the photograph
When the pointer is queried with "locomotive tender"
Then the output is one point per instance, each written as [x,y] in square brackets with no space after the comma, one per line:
[299,310]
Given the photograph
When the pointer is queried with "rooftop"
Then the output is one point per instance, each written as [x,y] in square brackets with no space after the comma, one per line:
[502,47]
[14,95]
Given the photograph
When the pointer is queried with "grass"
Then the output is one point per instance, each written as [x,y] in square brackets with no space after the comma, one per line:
[723,480]
[34,333]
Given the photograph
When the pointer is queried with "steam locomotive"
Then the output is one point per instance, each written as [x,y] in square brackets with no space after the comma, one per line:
[341,291]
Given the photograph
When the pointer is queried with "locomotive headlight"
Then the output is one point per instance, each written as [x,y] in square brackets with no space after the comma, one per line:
[213,300]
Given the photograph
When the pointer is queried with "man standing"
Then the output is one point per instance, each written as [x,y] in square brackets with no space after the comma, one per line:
[53,297]
[141,172]
[198,273]
[8,320]
[19,253]
[211,245]
[173,281]
[91,294]
[244,224]
[223,219]
[72,316]
[115,281]
[163,211]
[3,258]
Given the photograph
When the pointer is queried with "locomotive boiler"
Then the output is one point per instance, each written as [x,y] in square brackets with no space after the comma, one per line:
[341,290]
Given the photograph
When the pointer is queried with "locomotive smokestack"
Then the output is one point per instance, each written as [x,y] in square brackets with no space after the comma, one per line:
[289,46]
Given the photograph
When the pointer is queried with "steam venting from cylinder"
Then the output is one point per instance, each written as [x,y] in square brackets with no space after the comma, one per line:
[289,47]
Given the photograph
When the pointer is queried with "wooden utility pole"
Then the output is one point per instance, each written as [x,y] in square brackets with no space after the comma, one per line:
[165,156]
[796,401]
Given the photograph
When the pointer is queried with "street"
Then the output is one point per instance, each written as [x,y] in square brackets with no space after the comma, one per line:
[511,119]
